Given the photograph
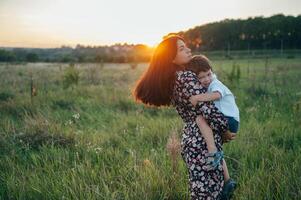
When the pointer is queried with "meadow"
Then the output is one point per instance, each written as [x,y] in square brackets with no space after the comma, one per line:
[73,131]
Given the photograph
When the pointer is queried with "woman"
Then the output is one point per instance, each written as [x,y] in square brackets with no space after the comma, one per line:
[165,83]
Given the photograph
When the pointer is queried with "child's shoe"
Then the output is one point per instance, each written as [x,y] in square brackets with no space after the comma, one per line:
[213,160]
[228,189]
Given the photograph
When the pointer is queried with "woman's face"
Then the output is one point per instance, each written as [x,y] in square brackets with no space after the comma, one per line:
[183,53]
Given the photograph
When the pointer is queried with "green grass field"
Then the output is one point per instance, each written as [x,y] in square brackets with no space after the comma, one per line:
[92,141]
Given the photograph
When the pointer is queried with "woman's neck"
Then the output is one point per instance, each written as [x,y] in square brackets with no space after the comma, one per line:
[181,67]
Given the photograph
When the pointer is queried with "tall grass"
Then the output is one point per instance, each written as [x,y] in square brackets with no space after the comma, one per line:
[92,141]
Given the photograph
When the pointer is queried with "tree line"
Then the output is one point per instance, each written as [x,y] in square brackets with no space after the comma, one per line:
[119,53]
[275,32]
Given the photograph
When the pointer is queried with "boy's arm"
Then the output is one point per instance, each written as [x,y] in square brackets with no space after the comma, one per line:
[212,96]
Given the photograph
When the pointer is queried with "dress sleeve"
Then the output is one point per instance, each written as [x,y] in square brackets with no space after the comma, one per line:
[191,86]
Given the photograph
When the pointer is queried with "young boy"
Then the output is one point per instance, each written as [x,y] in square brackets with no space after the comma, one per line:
[224,100]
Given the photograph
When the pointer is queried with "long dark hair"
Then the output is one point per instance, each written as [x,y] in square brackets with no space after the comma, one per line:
[155,86]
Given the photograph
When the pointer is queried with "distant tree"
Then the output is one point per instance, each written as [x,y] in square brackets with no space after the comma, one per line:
[7,56]
[67,59]
[32,57]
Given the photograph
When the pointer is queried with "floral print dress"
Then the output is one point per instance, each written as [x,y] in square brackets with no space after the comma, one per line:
[203,184]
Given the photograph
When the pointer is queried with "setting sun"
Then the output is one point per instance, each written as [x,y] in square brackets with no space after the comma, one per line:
[34,23]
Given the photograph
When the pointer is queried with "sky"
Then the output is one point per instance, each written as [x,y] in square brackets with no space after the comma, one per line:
[53,23]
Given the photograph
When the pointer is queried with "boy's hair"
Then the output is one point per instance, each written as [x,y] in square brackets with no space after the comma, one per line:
[199,63]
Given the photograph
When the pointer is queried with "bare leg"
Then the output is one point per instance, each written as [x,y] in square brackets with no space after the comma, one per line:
[229,184]
[207,133]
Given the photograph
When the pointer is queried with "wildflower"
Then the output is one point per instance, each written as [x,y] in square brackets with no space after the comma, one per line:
[69,122]
[76,116]
[98,149]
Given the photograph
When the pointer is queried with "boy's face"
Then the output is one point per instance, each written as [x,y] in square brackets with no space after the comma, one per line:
[205,78]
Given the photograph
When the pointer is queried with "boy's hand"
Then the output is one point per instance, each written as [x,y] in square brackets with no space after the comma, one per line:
[228,136]
[195,98]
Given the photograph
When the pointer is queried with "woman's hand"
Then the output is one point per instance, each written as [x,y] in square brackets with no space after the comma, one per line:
[228,136]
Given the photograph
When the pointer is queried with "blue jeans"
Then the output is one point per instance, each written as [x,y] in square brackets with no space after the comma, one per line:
[233,124]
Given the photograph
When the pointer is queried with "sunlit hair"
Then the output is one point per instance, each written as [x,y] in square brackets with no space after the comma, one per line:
[155,86]
[198,63]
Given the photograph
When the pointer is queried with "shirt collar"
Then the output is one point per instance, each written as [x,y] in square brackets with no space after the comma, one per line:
[214,76]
